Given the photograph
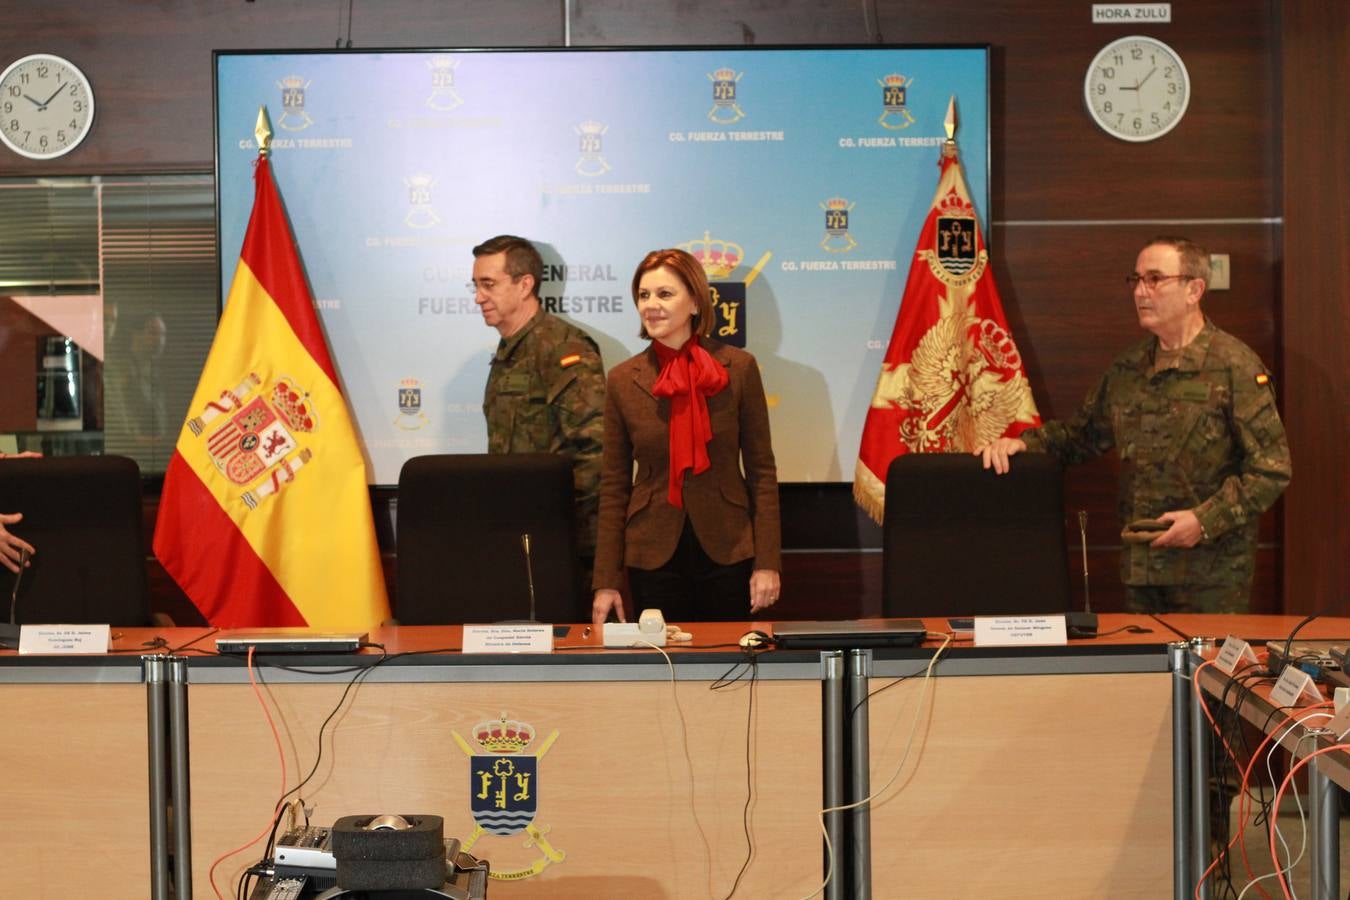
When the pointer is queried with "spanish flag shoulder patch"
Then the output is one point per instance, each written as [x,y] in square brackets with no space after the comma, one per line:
[570,359]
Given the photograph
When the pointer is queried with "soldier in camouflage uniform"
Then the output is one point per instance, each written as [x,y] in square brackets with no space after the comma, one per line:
[1191,411]
[546,388]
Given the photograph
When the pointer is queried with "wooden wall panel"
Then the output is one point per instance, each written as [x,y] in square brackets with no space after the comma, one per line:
[1316,308]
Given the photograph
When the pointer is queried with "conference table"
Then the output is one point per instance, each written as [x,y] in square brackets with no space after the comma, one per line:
[1013,771]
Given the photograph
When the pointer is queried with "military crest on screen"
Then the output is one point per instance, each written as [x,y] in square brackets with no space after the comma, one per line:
[504,790]
[591,143]
[258,442]
[895,115]
[293,115]
[443,95]
[720,258]
[421,214]
[410,415]
[725,110]
[837,238]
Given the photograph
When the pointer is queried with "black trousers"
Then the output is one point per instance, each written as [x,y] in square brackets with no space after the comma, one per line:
[690,587]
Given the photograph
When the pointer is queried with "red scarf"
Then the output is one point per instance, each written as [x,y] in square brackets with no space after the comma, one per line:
[689,376]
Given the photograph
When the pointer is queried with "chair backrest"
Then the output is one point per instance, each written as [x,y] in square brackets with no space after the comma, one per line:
[459,523]
[83,516]
[961,540]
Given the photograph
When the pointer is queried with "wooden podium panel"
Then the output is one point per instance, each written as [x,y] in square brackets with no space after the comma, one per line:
[616,796]
[1025,786]
[76,797]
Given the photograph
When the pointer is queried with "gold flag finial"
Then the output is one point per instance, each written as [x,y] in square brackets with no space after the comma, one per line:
[949,123]
[263,132]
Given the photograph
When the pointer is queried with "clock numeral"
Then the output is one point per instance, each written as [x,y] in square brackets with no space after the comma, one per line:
[1101,88]
[15,90]
[73,126]
[1107,107]
[1138,123]
[61,135]
[79,106]
[74,89]
[1136,53]
[42,72]
[1172,87]
[1119,60]
[1167,71]
[42,142]
[1108,72]
[13,124]
[8,108]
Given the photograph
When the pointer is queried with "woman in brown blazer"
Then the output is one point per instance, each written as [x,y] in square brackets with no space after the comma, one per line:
[700,539]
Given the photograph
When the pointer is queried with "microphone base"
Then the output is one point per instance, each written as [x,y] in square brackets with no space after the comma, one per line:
[9,637]
[1081,624]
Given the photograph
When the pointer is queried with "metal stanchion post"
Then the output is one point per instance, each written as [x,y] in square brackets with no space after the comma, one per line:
[179,772]
[156,731]
[1326,829]
[1178,655]
[1200,752]
[832,727]
[859,776]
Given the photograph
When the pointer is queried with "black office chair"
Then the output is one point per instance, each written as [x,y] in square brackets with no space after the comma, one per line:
[460,555]
[960,540]
[83,516]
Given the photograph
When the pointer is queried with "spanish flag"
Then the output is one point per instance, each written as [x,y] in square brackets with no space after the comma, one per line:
[265,516]
[952,379]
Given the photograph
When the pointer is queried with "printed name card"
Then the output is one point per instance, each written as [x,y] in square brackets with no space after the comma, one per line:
[1235,651]
[1012,631]
[1294,687]
[51,639]
[508,639]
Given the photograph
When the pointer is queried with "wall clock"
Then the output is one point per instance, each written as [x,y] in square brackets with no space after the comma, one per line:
[1137,88]
[46,106]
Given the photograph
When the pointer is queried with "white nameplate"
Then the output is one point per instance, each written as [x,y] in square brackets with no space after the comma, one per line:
[1131,13]
[1012,631]
[508,639]
[1294,686]
[65,638]
[1234,651]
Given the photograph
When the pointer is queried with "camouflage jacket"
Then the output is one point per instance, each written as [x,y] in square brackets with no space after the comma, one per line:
[1203,436]
[546,394]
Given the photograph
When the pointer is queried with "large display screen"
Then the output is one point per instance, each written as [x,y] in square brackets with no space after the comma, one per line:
[799,176]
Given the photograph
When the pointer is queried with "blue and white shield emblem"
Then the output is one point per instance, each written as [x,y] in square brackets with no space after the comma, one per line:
[503,792]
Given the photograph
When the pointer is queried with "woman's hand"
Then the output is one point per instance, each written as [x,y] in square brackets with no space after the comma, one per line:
[764,588]
[606,600]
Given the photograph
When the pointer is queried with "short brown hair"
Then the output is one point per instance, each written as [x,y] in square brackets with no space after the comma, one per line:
[521,257]
[1194,258]
[690,272]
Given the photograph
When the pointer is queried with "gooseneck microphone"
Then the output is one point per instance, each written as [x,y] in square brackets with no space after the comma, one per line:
[9,634]
[529,571]
[1083,624]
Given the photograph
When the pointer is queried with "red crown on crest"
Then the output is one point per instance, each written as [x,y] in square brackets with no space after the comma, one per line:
[894,80]
[290,405]
[719,258]
[503,736]
[955,205]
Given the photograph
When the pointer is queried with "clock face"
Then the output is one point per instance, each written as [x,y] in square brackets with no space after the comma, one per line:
[1137,89]
[46,106]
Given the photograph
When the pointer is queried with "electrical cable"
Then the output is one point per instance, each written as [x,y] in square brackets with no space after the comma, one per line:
[281,755]
[753,665]
[925,690]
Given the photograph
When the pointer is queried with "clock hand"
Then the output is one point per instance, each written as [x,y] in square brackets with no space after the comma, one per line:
[1146,77]
[34,102]
[58,90]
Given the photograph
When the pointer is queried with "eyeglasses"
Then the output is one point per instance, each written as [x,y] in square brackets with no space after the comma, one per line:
[1151,280]
[487,285]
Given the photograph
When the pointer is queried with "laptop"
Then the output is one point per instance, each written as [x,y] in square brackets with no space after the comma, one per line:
[290,640]
[849,634]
